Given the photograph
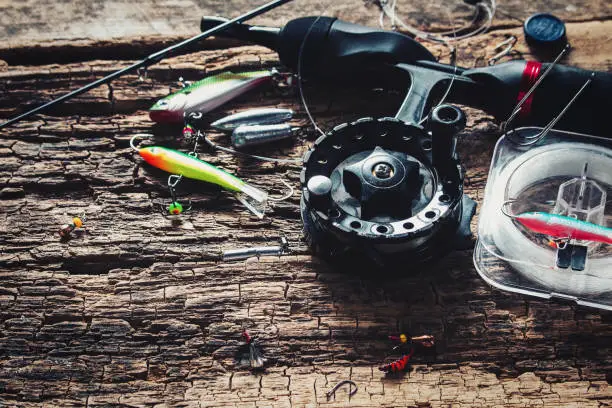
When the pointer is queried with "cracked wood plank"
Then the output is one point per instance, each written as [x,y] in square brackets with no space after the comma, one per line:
[140,312]
[26,23]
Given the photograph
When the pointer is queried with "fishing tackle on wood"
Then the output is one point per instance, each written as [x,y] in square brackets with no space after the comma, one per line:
[562,227]
[206,95]
[263,116]
[253,135]
[153,58]
[66,230]
[255,357]
[397,365]
[191,167]
[352,389]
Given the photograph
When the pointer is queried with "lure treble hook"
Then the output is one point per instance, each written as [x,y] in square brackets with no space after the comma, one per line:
[175,207]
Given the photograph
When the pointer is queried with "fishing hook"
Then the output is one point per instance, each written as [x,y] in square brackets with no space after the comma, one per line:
[503,208]
[139,135]
[175,207]
[284,197]
[333,390]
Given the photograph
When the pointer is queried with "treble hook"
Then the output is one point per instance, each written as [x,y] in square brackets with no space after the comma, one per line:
[175,207]
[333,390]
[503,208]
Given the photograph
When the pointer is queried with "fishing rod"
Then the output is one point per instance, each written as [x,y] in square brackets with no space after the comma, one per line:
[151,59]
[325,48]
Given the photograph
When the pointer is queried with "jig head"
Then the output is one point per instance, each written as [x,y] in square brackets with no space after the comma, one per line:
[66,230]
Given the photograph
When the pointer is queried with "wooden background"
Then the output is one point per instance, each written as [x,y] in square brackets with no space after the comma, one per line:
[140,311]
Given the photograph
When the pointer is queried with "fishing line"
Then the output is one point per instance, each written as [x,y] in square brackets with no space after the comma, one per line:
[488,6]
[299,73]
[284,197]
[453,62]
[212,144]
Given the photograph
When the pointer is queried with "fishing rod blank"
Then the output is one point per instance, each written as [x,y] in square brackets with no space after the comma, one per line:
[151,59]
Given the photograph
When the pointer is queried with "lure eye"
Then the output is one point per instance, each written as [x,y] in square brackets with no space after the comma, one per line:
[162,103]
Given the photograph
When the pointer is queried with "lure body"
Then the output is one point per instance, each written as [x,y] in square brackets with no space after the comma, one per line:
[253,135]
[560,226]
[264,116]
[206,95]
[398,365]
[182,164]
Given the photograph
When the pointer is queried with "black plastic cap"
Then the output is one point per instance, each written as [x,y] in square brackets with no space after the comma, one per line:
[545,32]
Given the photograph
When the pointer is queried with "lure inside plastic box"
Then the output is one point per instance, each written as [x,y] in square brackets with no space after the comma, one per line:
[567,174]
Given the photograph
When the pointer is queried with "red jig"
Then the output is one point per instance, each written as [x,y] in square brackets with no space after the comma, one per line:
[398,365]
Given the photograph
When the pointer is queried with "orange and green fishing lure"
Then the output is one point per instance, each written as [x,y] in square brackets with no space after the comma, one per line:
[188,166]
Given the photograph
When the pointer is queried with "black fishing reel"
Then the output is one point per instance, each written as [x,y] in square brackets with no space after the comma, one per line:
[387,191]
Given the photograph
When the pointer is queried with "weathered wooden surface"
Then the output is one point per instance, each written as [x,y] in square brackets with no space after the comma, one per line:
[29,21]
[139,311]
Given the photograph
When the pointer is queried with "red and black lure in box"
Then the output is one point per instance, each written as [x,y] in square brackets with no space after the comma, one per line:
[407,347]
[250,353]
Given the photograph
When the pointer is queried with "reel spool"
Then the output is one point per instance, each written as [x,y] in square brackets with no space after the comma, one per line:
[563,173]
[387,191]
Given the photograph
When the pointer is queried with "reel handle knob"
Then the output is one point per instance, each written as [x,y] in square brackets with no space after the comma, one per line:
[445,122]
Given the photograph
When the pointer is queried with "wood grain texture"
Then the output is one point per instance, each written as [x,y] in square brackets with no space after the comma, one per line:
[28,21]
[139,311]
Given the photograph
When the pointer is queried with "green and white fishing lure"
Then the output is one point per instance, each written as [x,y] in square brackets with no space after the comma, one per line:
[205,95]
